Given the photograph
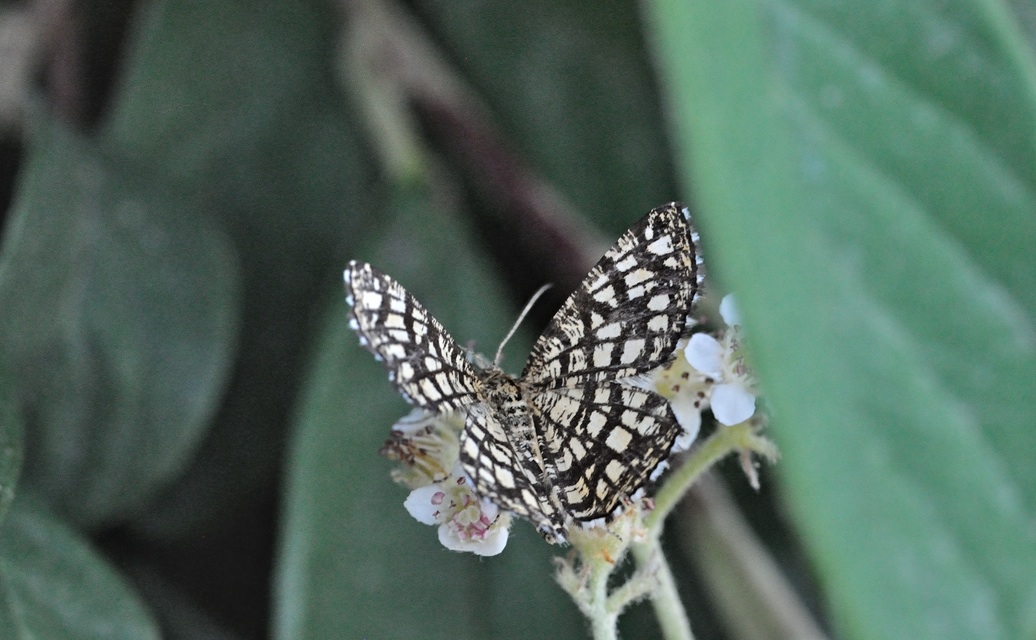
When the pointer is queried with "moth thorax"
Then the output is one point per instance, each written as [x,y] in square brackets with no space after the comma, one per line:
[501,388]
[505,395]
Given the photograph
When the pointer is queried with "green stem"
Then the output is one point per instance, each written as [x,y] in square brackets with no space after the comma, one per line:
[666,599]
[602,619]
[594,601]
[724,441]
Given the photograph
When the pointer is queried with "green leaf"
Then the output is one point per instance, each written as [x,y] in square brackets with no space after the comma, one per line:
[236,101]
[53,586]
[353,563]
[119,318]
[867,180]
[11,450]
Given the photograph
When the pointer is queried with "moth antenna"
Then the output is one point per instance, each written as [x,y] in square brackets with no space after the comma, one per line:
[521,316]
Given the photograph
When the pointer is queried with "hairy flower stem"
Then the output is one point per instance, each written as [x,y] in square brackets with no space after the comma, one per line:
[603,621]
[664,599]
[584,574]
[726,440]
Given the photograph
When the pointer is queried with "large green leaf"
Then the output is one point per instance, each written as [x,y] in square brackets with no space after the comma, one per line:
[11,449]
[352,562]
[867,181]
[237,99]
[119,317]
[53,586]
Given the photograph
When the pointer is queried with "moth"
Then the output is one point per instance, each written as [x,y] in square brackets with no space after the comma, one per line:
[572,439]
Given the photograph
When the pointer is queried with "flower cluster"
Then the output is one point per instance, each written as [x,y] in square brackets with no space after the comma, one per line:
[441,492]
[711,374]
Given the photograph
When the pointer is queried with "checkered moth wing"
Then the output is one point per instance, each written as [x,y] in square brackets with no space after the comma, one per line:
[629,312]
[602,438]
[425,364]
[604,441]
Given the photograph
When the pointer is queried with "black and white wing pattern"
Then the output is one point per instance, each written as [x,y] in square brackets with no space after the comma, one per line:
[603,439]
[630,311]
[507,473]
[424,363]
[431,371]
[573,439]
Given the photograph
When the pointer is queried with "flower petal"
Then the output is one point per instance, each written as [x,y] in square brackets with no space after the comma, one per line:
[688,414]
[424,504]
[705,354]
[728,310]
[418,419]
[492,544]
[732,403]
[489,508]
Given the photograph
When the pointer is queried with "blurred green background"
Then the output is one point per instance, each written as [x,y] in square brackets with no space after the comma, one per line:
[189,432]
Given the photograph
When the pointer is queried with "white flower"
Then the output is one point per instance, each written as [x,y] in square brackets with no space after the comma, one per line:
[686,392]
[722,363]
[427,444]
[466,523]
[712,373]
